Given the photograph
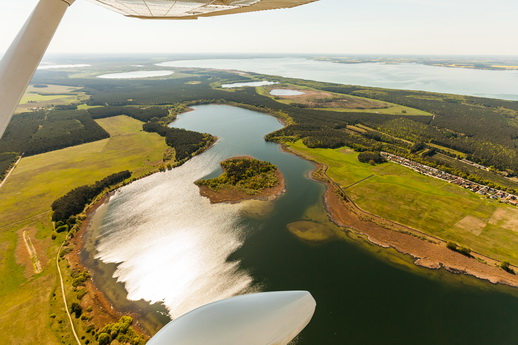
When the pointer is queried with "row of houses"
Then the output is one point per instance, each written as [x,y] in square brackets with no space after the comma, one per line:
[492,193]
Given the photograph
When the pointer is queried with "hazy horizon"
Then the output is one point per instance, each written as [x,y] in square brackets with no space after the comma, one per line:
[325,27]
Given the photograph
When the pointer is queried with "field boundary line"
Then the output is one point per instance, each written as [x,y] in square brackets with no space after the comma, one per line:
[64,296]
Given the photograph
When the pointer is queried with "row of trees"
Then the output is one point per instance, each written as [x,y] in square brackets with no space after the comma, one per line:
[186,143]
[75,201]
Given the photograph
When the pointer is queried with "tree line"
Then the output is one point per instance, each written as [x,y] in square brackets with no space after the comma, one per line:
[186,143]
[75,201]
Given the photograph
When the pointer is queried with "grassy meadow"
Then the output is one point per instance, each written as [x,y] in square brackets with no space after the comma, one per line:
[424,203]
[25,201]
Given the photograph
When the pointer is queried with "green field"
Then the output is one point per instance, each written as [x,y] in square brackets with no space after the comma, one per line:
[25,202]
[424,203]
[34,98]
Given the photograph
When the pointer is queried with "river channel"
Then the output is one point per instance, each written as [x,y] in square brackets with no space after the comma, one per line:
[170,249]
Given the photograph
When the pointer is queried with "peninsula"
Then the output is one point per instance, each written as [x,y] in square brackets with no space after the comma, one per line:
[243,178]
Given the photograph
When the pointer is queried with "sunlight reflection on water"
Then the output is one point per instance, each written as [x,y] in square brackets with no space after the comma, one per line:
[172,244]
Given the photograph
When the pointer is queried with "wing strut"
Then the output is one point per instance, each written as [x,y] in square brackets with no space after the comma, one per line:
[24,55]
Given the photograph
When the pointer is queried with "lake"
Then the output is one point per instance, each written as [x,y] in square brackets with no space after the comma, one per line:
[250,84]
[166,244]
[136,75]
[483,83]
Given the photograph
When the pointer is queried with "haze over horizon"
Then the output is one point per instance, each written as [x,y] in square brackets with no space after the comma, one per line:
[372,27]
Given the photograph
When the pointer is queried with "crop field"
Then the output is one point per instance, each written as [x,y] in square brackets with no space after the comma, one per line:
[25,202]
[424,203]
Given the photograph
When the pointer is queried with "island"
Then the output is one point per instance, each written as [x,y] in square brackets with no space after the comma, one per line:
[243,178]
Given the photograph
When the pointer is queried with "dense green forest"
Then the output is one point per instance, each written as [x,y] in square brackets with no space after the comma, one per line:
[247,174]
[75,201]
[43,131]
[64,128]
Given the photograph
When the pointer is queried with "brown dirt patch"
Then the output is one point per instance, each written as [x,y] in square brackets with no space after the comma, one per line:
[322,99]
[471,224]
[506,218]
[38,261]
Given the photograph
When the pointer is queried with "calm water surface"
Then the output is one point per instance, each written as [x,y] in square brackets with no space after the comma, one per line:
[136,75]
[251,84]
[169,245]
[484,83]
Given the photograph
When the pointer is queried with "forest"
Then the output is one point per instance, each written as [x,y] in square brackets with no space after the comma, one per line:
[75,201]
[48,130]
[186,143]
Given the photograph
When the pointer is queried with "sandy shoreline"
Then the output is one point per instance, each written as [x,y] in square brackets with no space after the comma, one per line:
[102,310]
[428,251]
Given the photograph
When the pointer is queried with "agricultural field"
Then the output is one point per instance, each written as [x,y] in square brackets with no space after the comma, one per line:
[424,203]
[25,201]
[43,95]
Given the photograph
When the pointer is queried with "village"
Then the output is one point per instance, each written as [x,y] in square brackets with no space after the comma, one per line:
[483,190]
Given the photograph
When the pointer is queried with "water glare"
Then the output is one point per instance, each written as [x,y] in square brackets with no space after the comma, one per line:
[171,244]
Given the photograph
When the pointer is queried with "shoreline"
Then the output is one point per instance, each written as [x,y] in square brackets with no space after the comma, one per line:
[103,312]
[426,250]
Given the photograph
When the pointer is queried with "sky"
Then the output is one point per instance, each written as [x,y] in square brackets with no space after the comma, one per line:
[340,27]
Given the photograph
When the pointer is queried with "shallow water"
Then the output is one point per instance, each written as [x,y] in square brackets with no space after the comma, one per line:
[172,246]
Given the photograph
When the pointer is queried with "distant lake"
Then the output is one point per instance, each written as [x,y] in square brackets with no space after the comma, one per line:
[483,83]
[48,66]
[136,74]
[251,84]
[284,92]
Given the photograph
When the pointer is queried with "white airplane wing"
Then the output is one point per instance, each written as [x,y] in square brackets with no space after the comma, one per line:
[271,318]
[192,9]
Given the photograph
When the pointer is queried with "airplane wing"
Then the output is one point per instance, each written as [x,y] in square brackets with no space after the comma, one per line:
[268,318]
[192,9]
